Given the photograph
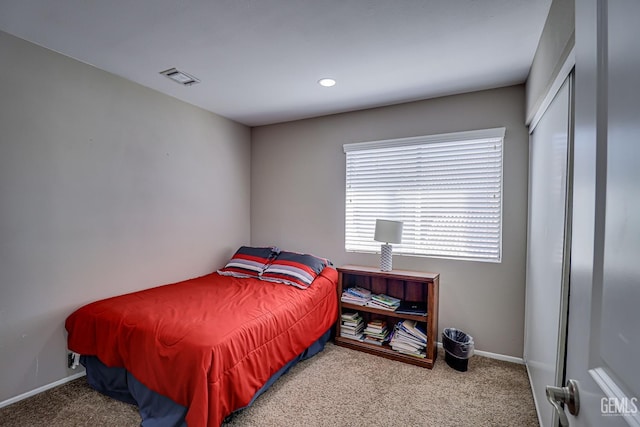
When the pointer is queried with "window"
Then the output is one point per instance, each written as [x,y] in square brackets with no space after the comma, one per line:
[447,189]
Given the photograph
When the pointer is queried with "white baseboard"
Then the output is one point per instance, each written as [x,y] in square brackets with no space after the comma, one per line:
[33,392]
[40,389]
[518,360]
[535,401]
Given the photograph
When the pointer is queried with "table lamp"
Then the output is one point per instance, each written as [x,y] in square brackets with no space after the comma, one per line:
[387,232]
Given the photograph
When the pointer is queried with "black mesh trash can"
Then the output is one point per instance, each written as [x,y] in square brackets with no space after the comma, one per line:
[458,348]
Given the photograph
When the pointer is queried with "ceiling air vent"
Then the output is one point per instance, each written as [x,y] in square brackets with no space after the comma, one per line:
[180,77]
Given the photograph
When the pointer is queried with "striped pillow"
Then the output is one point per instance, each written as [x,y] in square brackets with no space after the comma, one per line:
[249,261]
[294,269]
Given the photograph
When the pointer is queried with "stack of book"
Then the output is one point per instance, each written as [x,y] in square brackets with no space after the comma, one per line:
[409,338]
[352,326]
[384,302]
[376,332]
[356,295]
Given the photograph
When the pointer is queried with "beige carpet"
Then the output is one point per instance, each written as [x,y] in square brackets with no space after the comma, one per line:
[338,387]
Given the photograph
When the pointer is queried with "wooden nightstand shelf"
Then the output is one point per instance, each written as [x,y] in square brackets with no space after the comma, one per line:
[406,285]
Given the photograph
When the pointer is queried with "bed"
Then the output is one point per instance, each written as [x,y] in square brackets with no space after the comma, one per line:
[211,344]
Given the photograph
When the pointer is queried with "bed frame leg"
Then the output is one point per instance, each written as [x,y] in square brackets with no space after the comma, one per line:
[73,360]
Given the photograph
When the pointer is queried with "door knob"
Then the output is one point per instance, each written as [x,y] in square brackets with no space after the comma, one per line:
[564,395]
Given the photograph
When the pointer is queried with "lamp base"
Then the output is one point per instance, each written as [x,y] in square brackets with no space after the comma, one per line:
[386,258]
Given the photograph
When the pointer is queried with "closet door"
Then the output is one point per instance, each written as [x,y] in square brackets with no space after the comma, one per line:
[603,340]
[547,250]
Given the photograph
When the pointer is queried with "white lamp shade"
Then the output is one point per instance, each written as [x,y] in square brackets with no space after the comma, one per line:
[388,231]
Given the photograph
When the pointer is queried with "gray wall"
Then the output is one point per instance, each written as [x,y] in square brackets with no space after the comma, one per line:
[556,42]
[297,202]
[106,187]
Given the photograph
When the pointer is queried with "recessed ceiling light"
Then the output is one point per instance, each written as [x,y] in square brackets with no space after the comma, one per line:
[180,77]
[327,82]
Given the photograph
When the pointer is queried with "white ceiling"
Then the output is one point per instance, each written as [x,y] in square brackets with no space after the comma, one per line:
[259,60]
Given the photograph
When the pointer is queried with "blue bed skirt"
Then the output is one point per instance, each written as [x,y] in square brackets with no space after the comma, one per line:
[157,410]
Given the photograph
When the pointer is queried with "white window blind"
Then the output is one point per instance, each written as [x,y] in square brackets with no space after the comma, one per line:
[447,189]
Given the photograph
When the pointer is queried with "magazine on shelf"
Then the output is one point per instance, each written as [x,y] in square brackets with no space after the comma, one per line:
[386,300]
[410,353]
[412,307]
[350,315]
[358,337]
[396,345]
[404,333]
[405,347]
[353,325]
[409,340]
[372,340]
[404,341]
[355,322]
[414,329]
[353,299]
[381,335]
[352,328]
[375,304]
[377,325]
[407,343]
[359,292]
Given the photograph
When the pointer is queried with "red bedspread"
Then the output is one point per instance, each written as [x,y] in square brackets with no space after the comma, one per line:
[207,343]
